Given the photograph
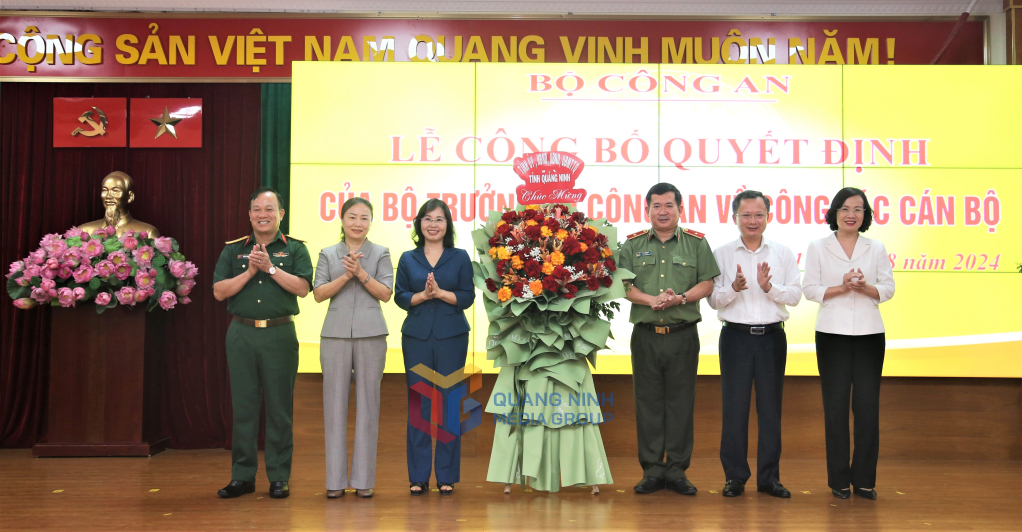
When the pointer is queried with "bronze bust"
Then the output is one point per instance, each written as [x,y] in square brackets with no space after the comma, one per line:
[117,192]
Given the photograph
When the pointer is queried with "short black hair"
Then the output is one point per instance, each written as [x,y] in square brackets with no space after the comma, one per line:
[839,200]
[748,194]
[431,205]
[663,188]
[351,203]
[264,190]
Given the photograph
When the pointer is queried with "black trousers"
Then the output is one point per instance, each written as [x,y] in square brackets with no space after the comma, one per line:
[851,365]
[664,378]
[746,359]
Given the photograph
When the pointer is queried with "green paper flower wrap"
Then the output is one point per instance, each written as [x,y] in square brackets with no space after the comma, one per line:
[548,276]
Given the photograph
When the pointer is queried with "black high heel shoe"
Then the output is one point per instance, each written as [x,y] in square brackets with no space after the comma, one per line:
[866,494]
[841,494]
[423,486]
[441,485]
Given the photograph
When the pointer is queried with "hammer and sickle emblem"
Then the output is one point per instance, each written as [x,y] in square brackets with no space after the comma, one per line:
[97,128]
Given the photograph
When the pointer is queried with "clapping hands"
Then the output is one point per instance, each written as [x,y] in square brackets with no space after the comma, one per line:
[664,300]
[353,266]
[739,283]
[432,290]
[259,259]
[855,281]
[762,278]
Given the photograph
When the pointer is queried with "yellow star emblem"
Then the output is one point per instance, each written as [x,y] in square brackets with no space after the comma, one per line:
[165,124]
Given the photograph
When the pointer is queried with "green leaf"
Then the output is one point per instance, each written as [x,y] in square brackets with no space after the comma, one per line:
[177,256]
[17,291]
[174,245]
[74,242]
[111,244]
[161,276]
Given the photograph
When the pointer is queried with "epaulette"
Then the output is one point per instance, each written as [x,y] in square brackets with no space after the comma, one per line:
[690,232]
[285,237]
[236,240]
[638,234]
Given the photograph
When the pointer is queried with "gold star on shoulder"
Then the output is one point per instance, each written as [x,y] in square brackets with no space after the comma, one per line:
[165,124]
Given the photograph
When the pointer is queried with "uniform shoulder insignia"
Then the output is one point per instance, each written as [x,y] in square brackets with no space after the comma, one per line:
[295,239]
[236,240]
[638,234]
[696,234]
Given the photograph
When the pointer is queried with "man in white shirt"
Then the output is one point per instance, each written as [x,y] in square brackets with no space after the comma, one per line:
[758,279]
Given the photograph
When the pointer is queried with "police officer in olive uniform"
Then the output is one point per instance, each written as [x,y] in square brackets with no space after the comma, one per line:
[674,268]
[262,275]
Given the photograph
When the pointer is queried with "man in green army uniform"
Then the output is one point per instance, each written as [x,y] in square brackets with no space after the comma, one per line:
[674,268]
[262,275]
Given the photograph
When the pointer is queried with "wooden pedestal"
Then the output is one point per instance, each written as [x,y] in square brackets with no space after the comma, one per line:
[105,383]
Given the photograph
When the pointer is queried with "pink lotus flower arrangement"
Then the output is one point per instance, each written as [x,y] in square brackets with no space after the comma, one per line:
[132,270]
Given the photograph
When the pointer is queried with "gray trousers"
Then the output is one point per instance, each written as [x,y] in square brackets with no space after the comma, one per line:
[339,357]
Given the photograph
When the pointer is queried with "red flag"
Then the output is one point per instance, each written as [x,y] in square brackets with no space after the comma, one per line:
[90,122]
[166,122]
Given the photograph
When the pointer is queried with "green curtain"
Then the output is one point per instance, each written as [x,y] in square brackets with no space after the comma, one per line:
[275,148]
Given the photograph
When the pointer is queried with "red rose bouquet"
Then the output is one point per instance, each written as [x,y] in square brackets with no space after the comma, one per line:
[547,252]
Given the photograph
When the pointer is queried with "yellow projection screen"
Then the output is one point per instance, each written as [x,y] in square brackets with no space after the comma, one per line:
[936,149]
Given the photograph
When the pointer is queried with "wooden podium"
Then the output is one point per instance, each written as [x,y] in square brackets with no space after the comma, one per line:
[106,382]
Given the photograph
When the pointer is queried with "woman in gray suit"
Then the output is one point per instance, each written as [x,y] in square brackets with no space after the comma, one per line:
[355,275]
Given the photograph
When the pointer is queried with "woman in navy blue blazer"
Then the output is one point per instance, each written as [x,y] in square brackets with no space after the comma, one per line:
[434,284]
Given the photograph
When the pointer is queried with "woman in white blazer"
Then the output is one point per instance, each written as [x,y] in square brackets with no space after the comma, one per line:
[356,276]
[850,275]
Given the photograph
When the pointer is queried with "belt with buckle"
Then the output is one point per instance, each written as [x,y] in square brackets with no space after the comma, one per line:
[669,328]
[262,324]
[756,330]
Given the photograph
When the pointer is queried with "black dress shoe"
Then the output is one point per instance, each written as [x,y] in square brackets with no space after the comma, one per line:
[734,487]
[649,485]
[681,486]
[279,490]
[866,494]
[775,490]
[841,494]
[236,488]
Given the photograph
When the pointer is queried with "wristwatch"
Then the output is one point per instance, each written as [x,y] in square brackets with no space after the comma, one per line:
[272,270]
[684,298]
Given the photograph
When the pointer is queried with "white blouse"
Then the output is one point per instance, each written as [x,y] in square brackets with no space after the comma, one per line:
[851,313]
